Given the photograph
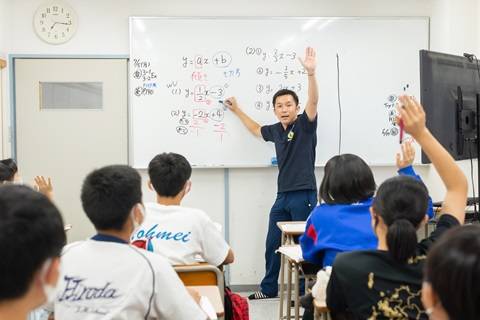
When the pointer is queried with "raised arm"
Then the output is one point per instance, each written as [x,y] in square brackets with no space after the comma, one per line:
[310,65]
[248,122]
[44,185]
[406,158]
[413,117]
[405,168]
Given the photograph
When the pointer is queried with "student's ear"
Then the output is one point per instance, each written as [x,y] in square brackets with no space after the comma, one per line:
[53,272]
[150,186]
[49,273]
[139,213]
[429,298]
[372,215]
[188,187]
[424,221]
[374,220]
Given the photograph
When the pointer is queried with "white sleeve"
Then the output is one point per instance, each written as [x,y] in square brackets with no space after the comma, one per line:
[214,246]
[172,300]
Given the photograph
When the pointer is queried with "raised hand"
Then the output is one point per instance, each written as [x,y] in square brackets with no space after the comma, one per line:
[408,155]
[44,186]
[411,113]
[310,61]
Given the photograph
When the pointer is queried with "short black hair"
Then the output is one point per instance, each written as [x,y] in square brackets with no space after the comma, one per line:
[347,179]
[284,92]
[402,203]
[8,168]
[109,194]
[31,231]
[168,173]
[453,270]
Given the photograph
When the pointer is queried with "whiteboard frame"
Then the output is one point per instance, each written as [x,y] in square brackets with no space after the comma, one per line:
[219,166]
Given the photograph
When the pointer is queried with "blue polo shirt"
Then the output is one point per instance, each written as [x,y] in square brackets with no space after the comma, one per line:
[295,149]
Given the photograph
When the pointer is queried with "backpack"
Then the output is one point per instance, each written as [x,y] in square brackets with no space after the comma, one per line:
[236,306]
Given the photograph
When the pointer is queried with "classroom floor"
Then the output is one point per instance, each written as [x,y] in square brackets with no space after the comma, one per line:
[263,309]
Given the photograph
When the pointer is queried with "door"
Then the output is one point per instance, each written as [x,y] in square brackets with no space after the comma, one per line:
[71,117]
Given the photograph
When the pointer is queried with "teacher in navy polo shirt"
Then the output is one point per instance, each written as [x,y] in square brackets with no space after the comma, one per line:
[295,140]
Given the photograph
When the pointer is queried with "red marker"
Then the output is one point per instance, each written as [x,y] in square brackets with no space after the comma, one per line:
[400,124]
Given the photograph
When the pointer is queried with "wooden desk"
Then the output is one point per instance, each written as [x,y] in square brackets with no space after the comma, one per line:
[293,256]
[213,294]
[292,228]
[289,230]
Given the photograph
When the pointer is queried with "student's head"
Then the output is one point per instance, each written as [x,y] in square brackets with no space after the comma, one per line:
[285,106]
[8,170]
[31,237]
[112,198]
[169,174]
[347,179]
[452,274]
[398,210]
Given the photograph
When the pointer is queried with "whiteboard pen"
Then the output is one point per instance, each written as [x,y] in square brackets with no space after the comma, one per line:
[225,103]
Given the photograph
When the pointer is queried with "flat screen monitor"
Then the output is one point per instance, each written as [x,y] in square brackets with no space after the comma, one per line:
[450,88]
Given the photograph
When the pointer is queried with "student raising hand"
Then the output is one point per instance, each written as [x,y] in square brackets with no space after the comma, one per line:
[412,115]
[386,283]
[408,155]
[44,186]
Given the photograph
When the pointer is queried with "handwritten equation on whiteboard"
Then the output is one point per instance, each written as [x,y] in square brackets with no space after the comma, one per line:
[390,107]
[275,70]
[200,81]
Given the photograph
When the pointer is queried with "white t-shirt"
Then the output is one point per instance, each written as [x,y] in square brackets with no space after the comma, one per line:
[182,235]
[110,280]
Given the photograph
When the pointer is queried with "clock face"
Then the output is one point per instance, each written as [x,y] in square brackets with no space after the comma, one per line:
[55,22]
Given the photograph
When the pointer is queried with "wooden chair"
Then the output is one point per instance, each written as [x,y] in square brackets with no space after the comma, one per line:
[202,275]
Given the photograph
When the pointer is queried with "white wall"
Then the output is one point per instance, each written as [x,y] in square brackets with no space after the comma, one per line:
[456,26]
[104,30]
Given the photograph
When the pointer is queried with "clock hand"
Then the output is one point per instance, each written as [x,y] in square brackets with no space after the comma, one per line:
[53,25]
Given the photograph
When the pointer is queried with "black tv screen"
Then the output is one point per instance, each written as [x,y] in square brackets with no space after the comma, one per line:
[449,86]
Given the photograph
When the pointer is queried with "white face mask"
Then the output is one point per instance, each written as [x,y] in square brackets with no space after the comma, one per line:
[49,290]
[135,223]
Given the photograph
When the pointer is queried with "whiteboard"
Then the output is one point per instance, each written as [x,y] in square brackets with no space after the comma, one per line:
[181,67]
